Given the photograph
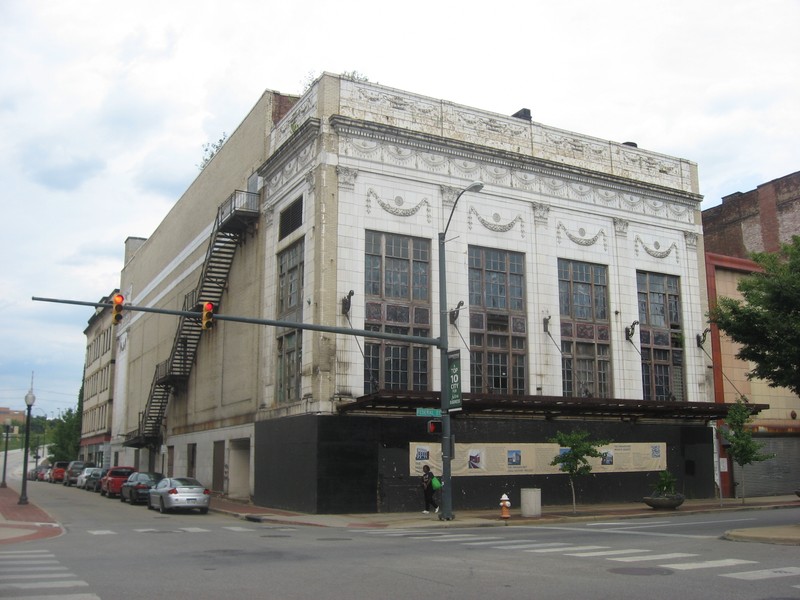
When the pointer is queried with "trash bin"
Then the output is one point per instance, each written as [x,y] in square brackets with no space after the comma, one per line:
[531,502]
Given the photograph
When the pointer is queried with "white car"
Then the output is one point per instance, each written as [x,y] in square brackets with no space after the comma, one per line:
[81,481]
[175,493]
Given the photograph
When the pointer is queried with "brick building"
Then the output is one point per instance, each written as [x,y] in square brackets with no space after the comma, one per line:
[755,221]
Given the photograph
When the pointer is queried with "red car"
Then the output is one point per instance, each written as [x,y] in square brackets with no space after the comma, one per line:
[112,481]
[59,469]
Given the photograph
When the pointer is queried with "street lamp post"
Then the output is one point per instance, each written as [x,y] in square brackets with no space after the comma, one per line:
[6,427]
[447,488]
[29,400]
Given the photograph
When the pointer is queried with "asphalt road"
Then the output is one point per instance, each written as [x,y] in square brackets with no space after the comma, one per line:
[113,551]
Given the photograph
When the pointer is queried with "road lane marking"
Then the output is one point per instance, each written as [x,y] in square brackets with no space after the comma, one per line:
[708,564]
[764,574]
[608,552]
[653,557]
[567,549]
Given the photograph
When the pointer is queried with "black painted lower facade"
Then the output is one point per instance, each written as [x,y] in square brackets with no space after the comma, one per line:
[323,464]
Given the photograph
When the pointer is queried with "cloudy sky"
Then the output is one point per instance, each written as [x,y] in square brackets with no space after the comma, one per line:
[105,108]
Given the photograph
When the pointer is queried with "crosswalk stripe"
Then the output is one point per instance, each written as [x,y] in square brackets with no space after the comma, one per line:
[517,546]
[607,552]
[37,561]
[652,557]
[708,564]
[35,576]
[486,541]
[101,532]
[457,539]
[38,569]
[241,529]
[194,530]
[566,549]
[49,585]
[146,530]
[61,597]
[23,552]
[765,574]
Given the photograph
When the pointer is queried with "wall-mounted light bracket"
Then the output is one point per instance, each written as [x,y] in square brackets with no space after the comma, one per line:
[630,331]
[455,311]
[346,303]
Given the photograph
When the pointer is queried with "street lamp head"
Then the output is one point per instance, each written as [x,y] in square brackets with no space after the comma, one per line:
[475,186]
[30,398]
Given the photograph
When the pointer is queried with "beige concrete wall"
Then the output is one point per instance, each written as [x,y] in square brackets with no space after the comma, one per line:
[167,267]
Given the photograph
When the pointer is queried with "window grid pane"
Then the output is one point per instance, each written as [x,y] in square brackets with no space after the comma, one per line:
[583,304]
[498,325]
[397,283]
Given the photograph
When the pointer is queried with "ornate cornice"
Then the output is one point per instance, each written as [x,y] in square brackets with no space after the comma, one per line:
[432,154]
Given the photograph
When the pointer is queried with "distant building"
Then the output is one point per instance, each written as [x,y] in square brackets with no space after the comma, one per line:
[574,294]
[759,220]
[8,416]
[98,386]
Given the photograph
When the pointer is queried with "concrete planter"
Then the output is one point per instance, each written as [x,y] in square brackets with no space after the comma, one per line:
[670,502]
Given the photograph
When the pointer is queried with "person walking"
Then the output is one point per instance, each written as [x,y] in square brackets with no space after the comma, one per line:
[427,490]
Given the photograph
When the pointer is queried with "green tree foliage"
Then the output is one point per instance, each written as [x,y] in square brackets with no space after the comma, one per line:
[575,451]
[64,444]
[65,434]
[743,448]
[767,321]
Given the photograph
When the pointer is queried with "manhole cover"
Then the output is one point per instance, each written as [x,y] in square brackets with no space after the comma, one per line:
[641,571]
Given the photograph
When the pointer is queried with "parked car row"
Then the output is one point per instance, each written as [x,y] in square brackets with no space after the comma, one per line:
[142,487]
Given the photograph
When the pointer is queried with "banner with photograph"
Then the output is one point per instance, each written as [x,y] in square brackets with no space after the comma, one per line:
[534,459]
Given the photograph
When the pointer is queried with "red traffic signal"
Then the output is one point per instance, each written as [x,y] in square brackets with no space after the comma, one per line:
[434,426]
[118,303]
[208,315]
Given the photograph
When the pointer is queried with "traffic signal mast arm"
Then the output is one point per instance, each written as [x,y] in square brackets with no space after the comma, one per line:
[415,339]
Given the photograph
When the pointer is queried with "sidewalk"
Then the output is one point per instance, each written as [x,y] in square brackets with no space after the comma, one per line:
[23,522]
[789,535]
[28,522]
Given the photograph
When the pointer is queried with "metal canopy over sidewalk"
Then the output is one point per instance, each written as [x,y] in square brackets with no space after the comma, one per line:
[549,407]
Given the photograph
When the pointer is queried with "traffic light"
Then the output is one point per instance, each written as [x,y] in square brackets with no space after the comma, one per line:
[118,302]
[435,426]
[208,315]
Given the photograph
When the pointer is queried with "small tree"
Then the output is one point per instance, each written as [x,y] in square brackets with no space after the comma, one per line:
[575,450]
[743,449]
[210,150]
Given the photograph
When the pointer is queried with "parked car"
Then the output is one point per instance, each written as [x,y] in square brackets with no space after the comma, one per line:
[80,483]
[45,474]
[113,480]
[59,468]
[94,478]
[137,488]
[73,471]
[173,493]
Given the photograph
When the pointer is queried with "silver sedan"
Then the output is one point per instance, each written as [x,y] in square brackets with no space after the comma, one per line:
[174,493]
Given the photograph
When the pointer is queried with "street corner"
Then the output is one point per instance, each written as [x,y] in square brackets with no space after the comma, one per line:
[12,533]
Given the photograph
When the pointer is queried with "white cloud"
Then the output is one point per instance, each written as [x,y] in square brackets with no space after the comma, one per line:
[107,104]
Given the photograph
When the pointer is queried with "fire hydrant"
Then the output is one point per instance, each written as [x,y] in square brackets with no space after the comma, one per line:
[505,508]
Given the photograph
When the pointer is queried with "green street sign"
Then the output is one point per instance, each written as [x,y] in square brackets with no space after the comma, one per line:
[429,412]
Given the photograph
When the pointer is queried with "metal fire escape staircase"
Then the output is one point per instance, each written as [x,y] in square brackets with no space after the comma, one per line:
[235,217]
